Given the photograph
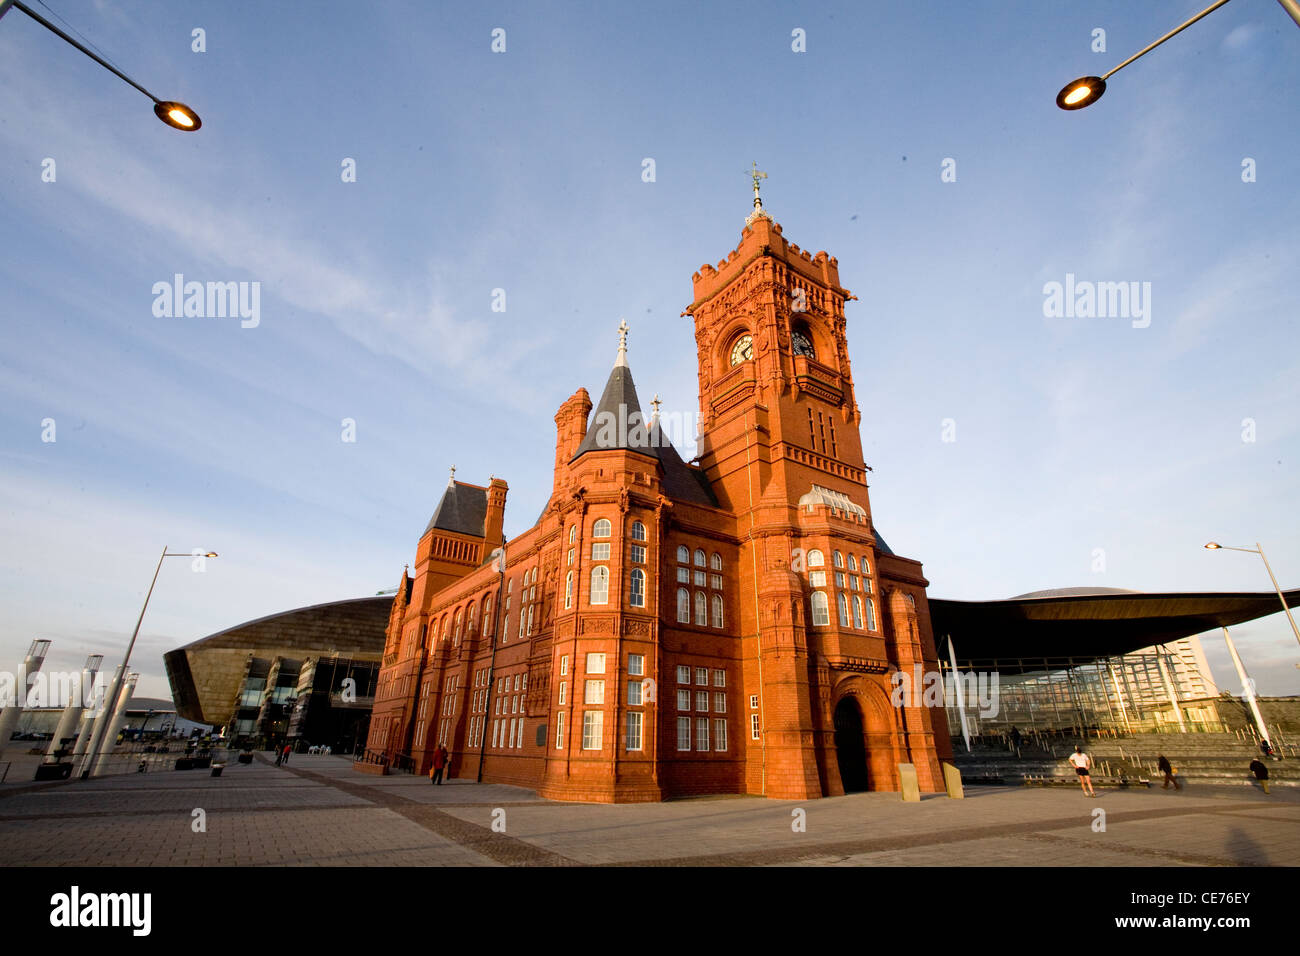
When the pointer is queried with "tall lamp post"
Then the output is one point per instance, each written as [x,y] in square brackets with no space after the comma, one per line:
[115,689]
[1087,90]
[174,114]
[1215,546]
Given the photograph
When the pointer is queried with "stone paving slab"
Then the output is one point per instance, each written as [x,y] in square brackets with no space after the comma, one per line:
[318,811]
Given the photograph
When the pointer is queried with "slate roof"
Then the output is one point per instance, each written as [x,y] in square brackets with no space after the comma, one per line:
[463,509]
[618,422]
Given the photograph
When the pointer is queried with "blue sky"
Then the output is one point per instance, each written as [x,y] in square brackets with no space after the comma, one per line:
[522,171]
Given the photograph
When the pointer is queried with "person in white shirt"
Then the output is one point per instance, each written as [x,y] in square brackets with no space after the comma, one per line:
[1082,764]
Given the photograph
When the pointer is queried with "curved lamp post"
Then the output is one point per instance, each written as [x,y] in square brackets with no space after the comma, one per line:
[115,689]
[174,114]
[1087,90]
[1215,546]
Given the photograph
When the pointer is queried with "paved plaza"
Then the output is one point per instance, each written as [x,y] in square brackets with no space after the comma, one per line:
[319,812]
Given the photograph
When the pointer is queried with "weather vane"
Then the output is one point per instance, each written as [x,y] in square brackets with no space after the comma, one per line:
[756,175]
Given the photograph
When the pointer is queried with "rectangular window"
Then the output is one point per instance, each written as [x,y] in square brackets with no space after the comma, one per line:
[564,664]
[715,581]
[683,575]
[518,678]
[570,556]
[600,551]
[683,700]
[857,611]
[719,735]
[699,579]
[839,579]
[817,578]
[636,664]
[564,687]
[683,733]
[638,554]
[512,732]
[593,727]
[702,700]
[701,733]
[559,731]
[595,663]
[683,674]
[853,584]
[594,692]
[719,702]
[634,730]
[520,742]
[719,678]
[496,731]
[753,726]
[514,705]
[634,693]
[702,676]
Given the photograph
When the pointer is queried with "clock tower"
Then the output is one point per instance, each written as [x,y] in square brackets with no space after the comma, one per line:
[830,612]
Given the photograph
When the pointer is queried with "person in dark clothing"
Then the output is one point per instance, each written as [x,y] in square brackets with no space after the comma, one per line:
[287,750]
[1015,739]
[1266,748]
[1261,773]
[1167,769]
[439,763]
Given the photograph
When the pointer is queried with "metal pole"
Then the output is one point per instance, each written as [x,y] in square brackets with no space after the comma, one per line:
[1119,696]
[115,724]
[961,692]
[1174,32]
[116,688]
[1292,7]
[1247,688]
[1169,686]
[1294,629]
[492,661]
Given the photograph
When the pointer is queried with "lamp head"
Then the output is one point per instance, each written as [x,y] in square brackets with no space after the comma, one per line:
[1213,546]
[1082,92]
[177,115]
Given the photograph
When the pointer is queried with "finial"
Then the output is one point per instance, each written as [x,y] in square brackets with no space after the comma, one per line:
[757,174]
[656,403]
[622,344]
[452,480]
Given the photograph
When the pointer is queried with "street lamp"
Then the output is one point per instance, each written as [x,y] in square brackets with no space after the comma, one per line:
[174,114]
[1087,90]
[1215,546]
[110,699]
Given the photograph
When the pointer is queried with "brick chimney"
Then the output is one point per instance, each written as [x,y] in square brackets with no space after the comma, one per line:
[494,519]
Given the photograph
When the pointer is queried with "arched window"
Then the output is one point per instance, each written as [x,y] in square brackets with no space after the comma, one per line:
[531,608]
[683,555]
[701,610]
[568,591]
[638,531]
[683,606]
[816,559]
[699,558]
[717,610]
[636,597]
[820,609]
[857,611]
[866,568]
[487,616]
[601,529]
[715,562]
[455,631]
[871,615]
[853,563]
[573,533]
[839,559]
[844,610]
[910,600]
[469,622]
[599,585]
[510,586]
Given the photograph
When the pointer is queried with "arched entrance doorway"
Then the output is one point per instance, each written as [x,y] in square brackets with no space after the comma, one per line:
[850,746]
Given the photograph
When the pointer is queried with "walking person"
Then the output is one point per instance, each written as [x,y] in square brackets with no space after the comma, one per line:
[279,756]
[1261,773]
[1015,740]
[439,762]
[1167,769]
[287,750]
[1082,764]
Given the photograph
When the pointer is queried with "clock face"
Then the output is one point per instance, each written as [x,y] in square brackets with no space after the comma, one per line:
[802,345]
[743,350]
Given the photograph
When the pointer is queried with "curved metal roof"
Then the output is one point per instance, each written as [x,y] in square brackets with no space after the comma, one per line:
[1104,622]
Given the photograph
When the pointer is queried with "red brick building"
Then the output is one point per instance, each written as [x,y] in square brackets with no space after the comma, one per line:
[669,628]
